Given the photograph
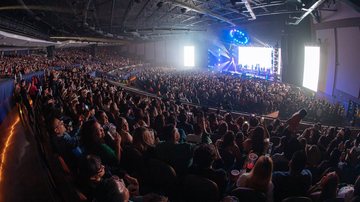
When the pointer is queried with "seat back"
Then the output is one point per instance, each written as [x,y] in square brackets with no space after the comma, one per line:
[297,199]
[159,177]
[335,200]
[196,188]
[248,195]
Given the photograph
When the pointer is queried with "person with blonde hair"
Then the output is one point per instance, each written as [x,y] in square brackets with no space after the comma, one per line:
[142,148]
[259,178]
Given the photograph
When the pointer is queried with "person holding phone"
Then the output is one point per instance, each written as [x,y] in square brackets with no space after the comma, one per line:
[92,137]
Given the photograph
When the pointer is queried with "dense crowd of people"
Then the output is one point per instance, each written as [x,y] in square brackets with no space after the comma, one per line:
[121,146]
[126,147]
[230,92]
[105,59]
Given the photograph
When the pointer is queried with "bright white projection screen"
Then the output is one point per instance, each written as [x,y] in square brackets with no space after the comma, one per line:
[189,56]
[311,67]
[253,56]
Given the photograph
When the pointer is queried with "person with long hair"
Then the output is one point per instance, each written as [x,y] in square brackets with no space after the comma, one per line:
[142,148]
[92,139]
[256,142]
[329,185]
[259,178]
[229,151]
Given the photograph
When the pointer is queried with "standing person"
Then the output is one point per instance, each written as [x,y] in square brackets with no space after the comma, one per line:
[24,98]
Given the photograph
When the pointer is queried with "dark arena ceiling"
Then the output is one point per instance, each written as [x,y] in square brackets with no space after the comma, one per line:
[143,19]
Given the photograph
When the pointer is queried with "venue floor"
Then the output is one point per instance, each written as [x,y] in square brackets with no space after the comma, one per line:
[23,175]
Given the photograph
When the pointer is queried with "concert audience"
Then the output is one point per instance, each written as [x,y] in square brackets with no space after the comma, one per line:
[234,93]
[120,132]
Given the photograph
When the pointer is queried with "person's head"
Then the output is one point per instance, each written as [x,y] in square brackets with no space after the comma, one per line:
[297,162]
[245,127]
[240,120]
[204,156]
[171,120]
[228,118]
[302,113]
[213,118]
[228,139]
[253,122]
[138,114]
[91,168]
[257,140]
[58,127]
[291,146]
[329,184]
[171,134]
[101,117]
[143,138]
[313,154]
[123,124]
[260,175]
[114,108]
[183,117]
[223,127]
[22,83]
[91,134]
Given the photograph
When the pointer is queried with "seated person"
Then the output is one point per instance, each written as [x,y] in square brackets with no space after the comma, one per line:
[124,131]
[96,186]
[257,141]
[198,137]
[64,144]
[183,124]
[135,155]
[259,178]
[295,182]
[178,155]
[326,189]
[92,139]
[229,151]
[204,157]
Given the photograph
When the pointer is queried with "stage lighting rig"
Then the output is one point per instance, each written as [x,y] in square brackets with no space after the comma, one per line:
[238,37]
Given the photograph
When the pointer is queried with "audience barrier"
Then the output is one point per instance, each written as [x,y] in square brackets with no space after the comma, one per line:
[7,90]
